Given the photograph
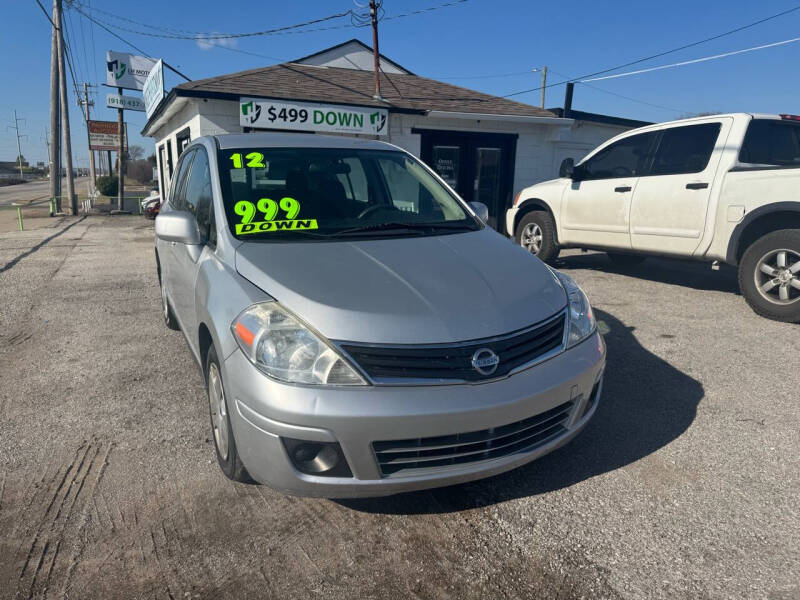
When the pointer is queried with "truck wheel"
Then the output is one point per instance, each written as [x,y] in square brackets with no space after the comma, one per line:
[769,275]
[626,260]
[536,233]
[221,431]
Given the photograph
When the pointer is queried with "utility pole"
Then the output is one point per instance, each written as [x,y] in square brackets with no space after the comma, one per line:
[373,13]
[87,103]
[47,143]
[62,89]
[55,121]
[121,156]
[543,71]
[544,84]
[15,127]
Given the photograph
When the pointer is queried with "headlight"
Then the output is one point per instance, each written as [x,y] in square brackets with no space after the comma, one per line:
[286,350]
[581,318]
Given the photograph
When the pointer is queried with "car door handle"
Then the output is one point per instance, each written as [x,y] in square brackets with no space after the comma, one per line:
[623,188]
[696,186]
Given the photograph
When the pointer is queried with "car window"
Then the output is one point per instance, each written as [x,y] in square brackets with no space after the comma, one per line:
[685,149]
[177,199]
[625,158]
[354,181]
[198,196]
[771,142]
[303,193]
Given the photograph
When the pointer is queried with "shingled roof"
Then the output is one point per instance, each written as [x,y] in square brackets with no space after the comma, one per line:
[403,93]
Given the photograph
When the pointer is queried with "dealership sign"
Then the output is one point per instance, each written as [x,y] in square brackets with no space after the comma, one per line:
[128,71]
[153,90]
[104,135]
[307,116]
[124,102]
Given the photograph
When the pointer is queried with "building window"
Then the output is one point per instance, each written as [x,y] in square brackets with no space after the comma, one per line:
[183,138]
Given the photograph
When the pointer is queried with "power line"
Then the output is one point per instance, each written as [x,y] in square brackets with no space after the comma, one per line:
[119,37]
[660,54]
[605,91]
[46,14]
[220,36]
[695,60]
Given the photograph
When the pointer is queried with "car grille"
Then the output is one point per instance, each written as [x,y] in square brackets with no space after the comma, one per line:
[447,450]
[387,364]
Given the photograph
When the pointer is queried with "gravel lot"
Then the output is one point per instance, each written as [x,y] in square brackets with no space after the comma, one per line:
[684,486]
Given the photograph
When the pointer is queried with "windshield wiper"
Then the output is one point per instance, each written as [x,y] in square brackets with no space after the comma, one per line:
[400,226]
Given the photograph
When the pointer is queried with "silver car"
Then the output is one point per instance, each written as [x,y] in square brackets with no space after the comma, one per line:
[361,331]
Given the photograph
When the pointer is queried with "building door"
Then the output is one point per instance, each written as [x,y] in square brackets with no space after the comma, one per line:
[479,166]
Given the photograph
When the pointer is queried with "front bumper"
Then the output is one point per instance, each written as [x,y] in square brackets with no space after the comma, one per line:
[511,214]
[262,411]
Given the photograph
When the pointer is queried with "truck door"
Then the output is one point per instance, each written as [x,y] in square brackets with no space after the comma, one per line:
[597,204]
[670,205]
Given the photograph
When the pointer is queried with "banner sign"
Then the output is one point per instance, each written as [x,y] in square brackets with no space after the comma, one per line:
[307,116]
[104,135]
[126,102]
[127,70]
[153,90]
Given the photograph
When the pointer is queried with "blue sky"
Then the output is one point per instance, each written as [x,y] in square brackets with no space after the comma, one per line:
[469,44]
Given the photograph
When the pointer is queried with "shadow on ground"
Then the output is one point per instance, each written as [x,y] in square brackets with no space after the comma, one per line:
[646,404]
[687,273]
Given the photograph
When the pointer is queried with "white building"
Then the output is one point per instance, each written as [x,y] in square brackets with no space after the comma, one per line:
[486,147]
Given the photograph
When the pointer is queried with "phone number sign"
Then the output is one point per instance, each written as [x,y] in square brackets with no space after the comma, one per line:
[307,116]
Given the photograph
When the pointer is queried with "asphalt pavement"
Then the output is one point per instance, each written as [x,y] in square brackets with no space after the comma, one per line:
[684,486]
[32,191]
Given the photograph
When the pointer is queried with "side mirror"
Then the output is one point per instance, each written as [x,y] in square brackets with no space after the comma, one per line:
[567,168]
[480,209]
[178,226]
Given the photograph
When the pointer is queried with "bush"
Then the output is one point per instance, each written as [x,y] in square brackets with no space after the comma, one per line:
[107,185]
[140,170]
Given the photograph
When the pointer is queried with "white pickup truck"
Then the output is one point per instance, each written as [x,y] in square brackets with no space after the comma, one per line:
[722,188]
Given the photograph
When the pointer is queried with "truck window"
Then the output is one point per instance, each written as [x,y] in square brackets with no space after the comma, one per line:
[685,149]
[771,142]
[625,158]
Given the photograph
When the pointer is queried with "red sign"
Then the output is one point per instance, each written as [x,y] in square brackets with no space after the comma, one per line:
[104,135]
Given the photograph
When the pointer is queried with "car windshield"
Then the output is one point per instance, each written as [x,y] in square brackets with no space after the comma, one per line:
[313,193]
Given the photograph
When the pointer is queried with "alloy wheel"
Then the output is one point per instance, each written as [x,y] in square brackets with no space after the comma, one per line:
[531,238]
[219,411]
[778,276]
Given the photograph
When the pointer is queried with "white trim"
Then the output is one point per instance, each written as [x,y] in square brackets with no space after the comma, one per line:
[442,114]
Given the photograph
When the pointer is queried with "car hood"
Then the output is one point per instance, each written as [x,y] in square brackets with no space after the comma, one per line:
[417,290]
[554,186]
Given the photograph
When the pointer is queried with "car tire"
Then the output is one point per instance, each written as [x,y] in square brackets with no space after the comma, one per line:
[166,310]
[626,260]
[536,233]
[769,275]
[221,431]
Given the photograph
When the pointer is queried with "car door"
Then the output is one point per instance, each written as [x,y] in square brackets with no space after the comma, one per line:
[166,250]
[197,198]
[670,204]
[596,205]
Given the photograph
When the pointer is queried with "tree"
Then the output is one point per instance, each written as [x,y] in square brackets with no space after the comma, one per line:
[21,161]
[135,152]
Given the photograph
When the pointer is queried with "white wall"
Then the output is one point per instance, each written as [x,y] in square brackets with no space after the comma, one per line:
[540,147]
[202,117]
[350,56]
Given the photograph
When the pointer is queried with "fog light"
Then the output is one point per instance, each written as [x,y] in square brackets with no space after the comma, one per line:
[317,458]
